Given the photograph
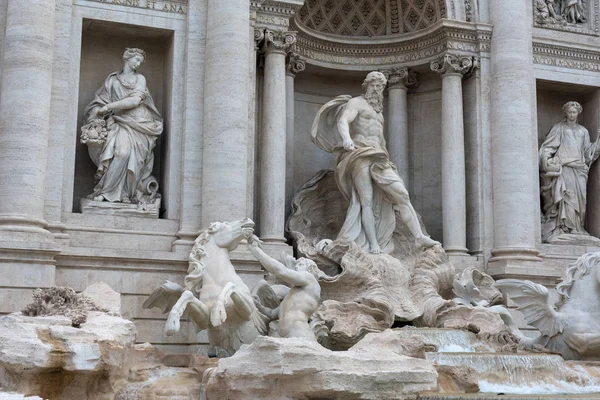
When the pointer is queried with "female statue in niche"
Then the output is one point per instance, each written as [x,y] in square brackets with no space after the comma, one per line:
[565,159]
[121,128]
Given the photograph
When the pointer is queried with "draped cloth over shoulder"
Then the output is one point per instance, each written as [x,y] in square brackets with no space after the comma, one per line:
[367,155]
[564,193]
[125,162]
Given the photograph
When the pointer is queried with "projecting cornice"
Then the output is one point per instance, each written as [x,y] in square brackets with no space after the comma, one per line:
[417,48]
[566,57]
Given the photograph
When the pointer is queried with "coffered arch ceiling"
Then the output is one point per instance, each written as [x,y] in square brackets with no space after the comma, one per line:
[369,18]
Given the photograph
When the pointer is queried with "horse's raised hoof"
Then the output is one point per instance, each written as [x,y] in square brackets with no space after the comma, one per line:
[218,315]
[172,326]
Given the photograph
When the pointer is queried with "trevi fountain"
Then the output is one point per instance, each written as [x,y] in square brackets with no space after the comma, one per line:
[299,199]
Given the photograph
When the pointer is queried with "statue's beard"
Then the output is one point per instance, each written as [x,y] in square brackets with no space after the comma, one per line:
[375,99]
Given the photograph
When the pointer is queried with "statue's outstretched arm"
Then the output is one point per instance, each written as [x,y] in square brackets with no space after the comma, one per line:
[294,278]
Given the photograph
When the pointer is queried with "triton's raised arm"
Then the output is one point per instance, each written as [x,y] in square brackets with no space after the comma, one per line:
[294,278]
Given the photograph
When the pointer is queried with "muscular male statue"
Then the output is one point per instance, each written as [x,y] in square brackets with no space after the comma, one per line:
[353,129]
[302,299]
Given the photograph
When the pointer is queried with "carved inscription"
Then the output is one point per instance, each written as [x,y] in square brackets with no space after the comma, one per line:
[272,20]
[158,5]
[574,64]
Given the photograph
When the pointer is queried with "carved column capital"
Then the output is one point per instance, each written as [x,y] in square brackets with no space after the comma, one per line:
[259,36]
[454,64]
[277,40]
[401,77]
[294,63]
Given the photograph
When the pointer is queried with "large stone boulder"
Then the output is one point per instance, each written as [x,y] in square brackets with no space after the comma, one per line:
[48,357]
[286,369]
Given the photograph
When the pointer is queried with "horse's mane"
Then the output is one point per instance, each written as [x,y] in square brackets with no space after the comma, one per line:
[574,272]
[193,280]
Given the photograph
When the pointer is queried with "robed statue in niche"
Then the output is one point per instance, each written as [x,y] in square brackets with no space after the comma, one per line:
[121,126]
[565,159]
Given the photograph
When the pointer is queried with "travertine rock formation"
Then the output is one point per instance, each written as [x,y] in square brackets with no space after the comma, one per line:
[46,356]
[300,369]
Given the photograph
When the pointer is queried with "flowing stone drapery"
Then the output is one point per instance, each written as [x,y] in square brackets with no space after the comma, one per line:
[294,65]
[225,127]
[272,162]
[399,80]
[454,206]
[513,137]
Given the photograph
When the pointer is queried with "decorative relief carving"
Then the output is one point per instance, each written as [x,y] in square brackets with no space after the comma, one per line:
[366,18]
[463,39]
[421,14]
[347,17]
[454,64]
[578,16]
[468,11]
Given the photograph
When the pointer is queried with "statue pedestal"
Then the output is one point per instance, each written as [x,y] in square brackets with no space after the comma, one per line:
[574,239]
[144,210]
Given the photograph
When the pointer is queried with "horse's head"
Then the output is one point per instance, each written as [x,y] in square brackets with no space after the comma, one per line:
[584,268]
[228,235]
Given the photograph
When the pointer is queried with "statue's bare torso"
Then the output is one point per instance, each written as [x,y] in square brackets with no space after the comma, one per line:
[367,126]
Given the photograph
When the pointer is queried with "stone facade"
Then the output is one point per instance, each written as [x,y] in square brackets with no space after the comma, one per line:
[475,86]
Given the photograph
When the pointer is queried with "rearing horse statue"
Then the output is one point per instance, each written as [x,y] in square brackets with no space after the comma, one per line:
[214,297]
[572,325]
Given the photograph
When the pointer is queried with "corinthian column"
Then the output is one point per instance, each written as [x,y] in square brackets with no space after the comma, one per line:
[272,143]
[454,204]
[399,80]
[26,248]
[225,127]
[25,115]
[294,65]
[513,137]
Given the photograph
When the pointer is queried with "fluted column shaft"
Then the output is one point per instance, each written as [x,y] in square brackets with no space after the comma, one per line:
[273,139]
[514,163]
[225,125]
[454,203]
[397,119]
[25,99]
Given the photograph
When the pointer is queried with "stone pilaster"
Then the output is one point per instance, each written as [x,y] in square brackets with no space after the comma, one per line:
[190,218]
[225,125]
[452,67]
[27,249]
[294,65]
[272,162]
[514,139]
[399,80]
